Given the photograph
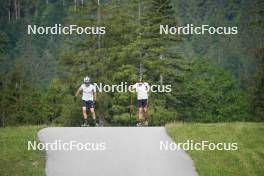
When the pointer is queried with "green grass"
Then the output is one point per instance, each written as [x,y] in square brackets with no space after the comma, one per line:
[247,160]
[15,159]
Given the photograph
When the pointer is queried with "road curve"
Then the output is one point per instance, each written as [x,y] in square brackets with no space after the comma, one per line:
[129,151]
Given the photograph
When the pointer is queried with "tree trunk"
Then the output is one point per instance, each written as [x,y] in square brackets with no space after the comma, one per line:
[161,79]
[140,69]
[18,9]
[161,76]
[139,11]
[98,21]
[9,11]
[75,5]
[36,12]
[15,7]
[140,50]
[9,15]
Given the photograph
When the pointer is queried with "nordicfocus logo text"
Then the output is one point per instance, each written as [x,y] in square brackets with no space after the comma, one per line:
[124,87]
[67,146]
[190,29]
[58,29]
[203,145]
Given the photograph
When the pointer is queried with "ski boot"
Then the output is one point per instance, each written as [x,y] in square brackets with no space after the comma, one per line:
[85,124]
[139,124]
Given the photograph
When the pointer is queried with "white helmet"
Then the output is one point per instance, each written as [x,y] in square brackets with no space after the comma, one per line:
[86,80]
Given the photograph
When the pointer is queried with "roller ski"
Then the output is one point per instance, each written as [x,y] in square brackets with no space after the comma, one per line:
[96,124]
[85,124]
[146,123]
[141,124]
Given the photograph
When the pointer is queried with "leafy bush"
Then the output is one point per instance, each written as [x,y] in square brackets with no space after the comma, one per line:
[124,119]
[209,94]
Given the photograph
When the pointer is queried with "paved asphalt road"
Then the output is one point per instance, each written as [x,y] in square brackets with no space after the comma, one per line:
[129,151]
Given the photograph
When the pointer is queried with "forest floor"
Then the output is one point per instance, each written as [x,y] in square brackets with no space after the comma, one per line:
[15,158]
[247,160]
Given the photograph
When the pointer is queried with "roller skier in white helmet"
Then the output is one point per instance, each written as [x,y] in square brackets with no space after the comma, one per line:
[88,99]
[142,89]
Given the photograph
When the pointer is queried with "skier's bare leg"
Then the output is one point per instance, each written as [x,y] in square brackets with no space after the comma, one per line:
[84,116]
[84,113]
[94,116]
[140,116]
[93,113]
[146,115]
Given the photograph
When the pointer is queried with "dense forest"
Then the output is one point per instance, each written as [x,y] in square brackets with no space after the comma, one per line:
[214,78]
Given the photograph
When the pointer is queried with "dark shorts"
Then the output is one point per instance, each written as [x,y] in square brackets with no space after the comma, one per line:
[88,104]
[143,103]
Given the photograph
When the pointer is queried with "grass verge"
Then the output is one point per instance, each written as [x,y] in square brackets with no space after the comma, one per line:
[247,160]
[15,159]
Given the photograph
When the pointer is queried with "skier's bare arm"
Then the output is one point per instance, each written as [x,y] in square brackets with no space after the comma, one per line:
[132,87]
[77,92]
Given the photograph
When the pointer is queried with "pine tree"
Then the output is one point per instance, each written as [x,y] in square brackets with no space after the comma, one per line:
[162,63]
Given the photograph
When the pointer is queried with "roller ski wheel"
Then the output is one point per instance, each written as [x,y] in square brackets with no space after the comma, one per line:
[85,125]
[139,124]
